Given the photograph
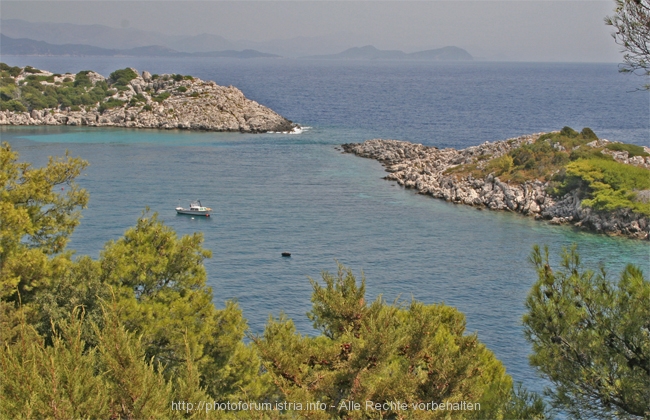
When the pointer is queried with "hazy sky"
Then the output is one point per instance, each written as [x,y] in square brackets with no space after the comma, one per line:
[521,30]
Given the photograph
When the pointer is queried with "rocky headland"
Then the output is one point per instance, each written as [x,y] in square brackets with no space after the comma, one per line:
[429,170]
[131,99]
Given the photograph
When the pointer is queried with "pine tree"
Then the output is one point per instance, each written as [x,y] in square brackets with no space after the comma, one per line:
[591,338]
[36,219]
[381,352]
[161,293]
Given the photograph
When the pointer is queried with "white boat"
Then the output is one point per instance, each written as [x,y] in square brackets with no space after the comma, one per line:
[196,209]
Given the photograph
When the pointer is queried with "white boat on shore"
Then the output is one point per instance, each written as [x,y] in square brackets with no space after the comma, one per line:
[196,209]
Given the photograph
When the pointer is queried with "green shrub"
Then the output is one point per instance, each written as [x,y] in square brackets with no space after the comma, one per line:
[136,99]
[608,185]
[7,81]
[586,152]
[631,149]
[11,71]
[568,132]
[34,85]
[40,78]
[188,77]
[111,103]
[33,102]
[569,138]
[122,77]
[8,93]
[30,69]
[501,165]
[588,133]
[195,94]
[161,97]
[178,77]
[12,105]
[147,108]
[181,89]
[82,79]
[154,76]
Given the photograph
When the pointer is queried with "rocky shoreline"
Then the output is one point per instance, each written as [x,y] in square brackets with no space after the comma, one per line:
[160,101]
[423,168]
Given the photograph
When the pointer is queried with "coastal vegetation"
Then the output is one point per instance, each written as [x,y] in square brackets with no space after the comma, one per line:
[44,91]
[37,90]
[130,333]
[30,96]
[607,185]
[572,161]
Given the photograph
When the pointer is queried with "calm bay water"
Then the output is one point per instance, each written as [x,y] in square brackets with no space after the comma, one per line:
[272,193]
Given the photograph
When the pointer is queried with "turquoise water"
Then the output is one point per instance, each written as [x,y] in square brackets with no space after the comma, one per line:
[273,193]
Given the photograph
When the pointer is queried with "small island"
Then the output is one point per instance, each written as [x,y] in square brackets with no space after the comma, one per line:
[30,96]
[565,177]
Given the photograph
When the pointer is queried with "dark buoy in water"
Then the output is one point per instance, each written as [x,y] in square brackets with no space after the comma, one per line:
[286,254]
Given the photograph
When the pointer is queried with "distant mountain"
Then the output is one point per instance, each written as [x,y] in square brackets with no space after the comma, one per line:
[25,46]
[371,53]
[95,35]
[128,38]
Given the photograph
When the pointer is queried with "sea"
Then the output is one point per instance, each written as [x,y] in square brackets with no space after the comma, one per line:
[297,193]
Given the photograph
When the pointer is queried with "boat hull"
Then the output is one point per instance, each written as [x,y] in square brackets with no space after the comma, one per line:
[193,212]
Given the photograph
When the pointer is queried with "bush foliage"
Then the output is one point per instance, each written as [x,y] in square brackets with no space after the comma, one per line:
[38,91]
[566,161]
[607,185]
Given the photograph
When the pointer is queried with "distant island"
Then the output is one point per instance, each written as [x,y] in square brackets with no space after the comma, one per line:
[371,53]
[29,96]
[566,177]
[25,46]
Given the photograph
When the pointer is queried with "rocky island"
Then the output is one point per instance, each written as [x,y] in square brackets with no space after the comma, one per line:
[564,177]
[127,98]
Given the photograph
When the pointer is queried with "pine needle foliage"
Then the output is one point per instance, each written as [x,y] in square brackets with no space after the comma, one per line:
[71,380]
[591,338]
[160,283]
[36,219]
[382,352]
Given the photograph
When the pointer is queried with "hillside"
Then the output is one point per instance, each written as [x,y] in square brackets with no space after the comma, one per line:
[25,46]
[30,96]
